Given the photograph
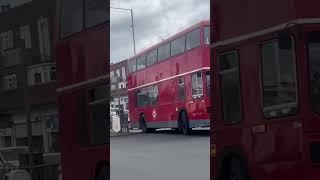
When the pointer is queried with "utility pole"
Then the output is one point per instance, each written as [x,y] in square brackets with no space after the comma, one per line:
[28,118]
[132,26]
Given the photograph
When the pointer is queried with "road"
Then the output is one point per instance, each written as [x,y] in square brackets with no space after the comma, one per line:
[161,155]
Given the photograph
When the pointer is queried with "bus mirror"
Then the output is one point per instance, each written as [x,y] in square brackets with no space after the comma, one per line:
[285,41]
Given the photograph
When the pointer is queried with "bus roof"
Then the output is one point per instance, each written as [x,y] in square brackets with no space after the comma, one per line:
[201,23]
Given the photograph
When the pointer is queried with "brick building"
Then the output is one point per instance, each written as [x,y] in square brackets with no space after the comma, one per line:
[119,85]
[27,74]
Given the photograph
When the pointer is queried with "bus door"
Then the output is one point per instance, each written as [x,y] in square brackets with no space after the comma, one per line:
[276,137]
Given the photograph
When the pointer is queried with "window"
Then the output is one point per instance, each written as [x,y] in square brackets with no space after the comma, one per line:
[25,35]
[197,85]
[178,46]
[118,73]
[314,70]
[152,57]
[142,97]
[164,52]
[6,40]
[112,74]
[42,74]
[124,74]
[52,73]
[97,12]
[44,38]
[207,35]
[193,39]
[153,95]
[278,80]
[208,83]
[141,62]
[132,65]
[230,87]
[9,82]
[71,17]
[182,91]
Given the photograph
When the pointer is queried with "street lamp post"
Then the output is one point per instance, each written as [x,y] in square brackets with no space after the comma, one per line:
[132,26]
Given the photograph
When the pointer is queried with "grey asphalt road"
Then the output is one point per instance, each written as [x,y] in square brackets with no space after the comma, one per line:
[163,155]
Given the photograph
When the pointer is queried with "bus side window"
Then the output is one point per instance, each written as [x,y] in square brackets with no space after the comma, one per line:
[97,12]
[193,39]
[278,80]
[314,70]
[71,17]
[141,62]
[230,87]
[197,85]
[206,35]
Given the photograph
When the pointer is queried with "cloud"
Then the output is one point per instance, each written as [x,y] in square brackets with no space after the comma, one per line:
[154,20]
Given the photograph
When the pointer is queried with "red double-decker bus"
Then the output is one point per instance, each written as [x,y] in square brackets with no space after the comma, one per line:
[81,43]
[266,90]
[168,83]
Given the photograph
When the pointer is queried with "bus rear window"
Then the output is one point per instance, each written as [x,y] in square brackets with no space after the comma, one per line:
[314,70]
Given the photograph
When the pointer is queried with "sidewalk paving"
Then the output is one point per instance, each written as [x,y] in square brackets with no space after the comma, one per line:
[125,133]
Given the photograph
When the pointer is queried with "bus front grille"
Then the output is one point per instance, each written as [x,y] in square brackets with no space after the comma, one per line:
[315,152]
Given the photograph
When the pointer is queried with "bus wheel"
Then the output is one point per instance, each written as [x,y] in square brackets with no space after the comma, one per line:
[143,124]
[236,170]
[103,173]
[184,124]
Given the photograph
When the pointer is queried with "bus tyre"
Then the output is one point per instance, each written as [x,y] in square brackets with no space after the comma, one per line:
[236,170]
[143,125]
[103,173]
[184,124]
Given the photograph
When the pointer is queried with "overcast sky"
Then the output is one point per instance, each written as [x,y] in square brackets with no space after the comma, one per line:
[154,20]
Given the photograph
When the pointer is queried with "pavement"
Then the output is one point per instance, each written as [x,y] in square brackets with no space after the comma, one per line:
[161,155]
[125,132]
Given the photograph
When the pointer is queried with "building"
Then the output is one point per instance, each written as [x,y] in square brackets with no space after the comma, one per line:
[27,74]
[119,86]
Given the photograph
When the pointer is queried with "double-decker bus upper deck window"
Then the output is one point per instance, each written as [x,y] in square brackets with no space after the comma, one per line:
[132,66]
[279,80]
[208,83]
[314,70]
[230,87]
[142,99]
[164,52]
[152,57]
[206,35]
[141,62]
[71,17]
[182,91]
[197,85]
[178,46]
[97,12]
[153,95]
[193,39]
